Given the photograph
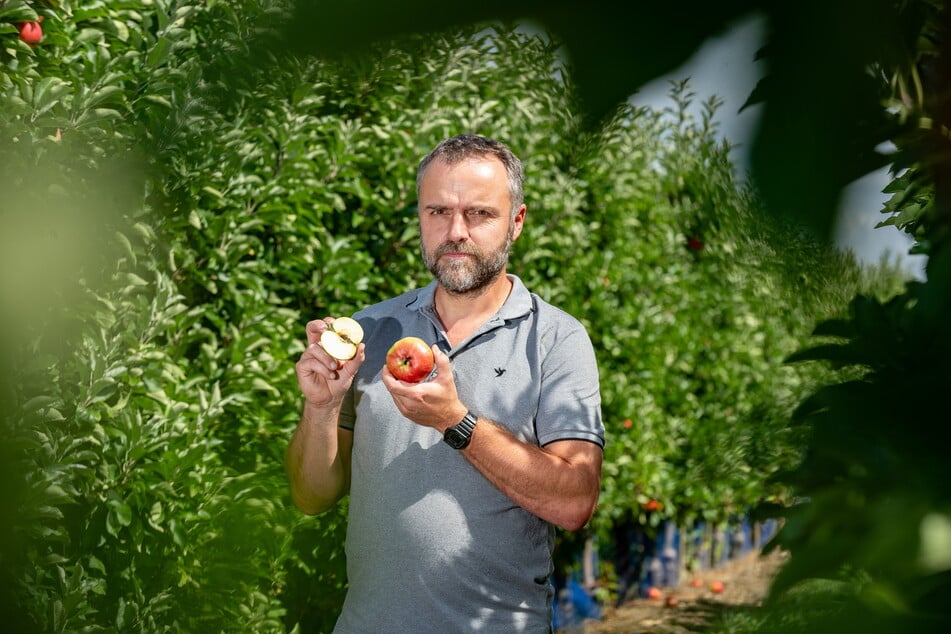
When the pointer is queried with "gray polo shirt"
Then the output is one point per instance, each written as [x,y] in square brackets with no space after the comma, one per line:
[432,546]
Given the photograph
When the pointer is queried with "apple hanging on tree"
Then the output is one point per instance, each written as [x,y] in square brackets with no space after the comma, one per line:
[31,33]
[653,505]
[410,359]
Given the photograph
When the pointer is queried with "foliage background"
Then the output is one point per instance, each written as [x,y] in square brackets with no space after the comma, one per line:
[181,195]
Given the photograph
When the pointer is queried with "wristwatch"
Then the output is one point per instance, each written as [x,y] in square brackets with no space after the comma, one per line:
[458,436]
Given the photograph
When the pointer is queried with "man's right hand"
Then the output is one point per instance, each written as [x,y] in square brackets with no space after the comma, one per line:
[324,380]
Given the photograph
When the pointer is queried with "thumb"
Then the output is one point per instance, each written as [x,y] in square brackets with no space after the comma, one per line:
[442,361]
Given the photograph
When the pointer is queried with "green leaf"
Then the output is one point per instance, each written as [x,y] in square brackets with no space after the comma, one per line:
[126,246]
[101,95]
[47,94]
[159,53]
[118,517]
[96,116]
[135,280]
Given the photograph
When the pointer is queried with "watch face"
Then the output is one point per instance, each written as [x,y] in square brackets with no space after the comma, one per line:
[458,436]
[455,438]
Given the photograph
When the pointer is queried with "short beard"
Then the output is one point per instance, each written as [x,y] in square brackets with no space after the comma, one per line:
[470,276]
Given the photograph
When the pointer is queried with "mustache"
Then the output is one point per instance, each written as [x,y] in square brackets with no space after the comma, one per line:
[454,247]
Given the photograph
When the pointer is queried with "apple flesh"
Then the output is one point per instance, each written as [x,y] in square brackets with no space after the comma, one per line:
[410,359]
[341,338]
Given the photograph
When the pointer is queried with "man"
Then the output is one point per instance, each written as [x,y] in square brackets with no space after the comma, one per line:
[453,532]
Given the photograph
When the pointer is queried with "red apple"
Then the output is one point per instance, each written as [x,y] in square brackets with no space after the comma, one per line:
[653,505]
[654,593]
[696,582]
[694,243]
[717,587]
[671,601]
[31,32]
[410,359]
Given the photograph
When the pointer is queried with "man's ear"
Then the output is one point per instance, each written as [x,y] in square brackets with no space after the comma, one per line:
[518,222]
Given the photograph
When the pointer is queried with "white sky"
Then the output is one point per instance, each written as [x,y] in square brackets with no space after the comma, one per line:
[725,67]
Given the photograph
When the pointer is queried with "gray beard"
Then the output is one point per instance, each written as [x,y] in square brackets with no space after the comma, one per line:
[470,276]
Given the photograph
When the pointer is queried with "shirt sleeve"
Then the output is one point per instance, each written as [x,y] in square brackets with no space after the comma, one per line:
[569,405]
[348,414]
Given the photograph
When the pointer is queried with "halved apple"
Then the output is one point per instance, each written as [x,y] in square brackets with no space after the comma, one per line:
[341,338]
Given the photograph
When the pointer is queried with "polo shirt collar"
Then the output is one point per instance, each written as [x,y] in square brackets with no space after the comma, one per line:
[518,304]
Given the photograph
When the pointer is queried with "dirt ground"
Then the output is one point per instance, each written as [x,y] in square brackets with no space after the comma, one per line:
[745,581]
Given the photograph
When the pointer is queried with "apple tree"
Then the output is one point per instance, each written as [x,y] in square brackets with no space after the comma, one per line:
[182,195]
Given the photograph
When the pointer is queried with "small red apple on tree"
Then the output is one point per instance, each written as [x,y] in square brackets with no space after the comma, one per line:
[410,359]
[694,243]
[30,32]
[653,505]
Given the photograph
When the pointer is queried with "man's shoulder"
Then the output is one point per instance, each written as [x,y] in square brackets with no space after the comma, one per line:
[399,307]
[554,316]
[524,301]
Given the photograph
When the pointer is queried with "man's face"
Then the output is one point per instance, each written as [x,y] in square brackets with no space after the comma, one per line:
[465,220]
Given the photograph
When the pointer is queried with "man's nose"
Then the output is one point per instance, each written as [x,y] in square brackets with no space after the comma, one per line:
[458,228]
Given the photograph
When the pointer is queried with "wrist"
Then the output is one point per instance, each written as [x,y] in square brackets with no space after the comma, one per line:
[456,415]
[317,412]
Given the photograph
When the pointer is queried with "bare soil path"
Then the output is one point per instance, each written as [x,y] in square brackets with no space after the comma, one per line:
[691,608]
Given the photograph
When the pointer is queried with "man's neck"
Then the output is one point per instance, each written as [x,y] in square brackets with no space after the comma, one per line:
[462,313]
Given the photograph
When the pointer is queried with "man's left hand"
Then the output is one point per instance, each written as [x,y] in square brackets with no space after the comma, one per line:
[433,403]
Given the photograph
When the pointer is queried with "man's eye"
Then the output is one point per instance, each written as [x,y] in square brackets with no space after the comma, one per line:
[479,212]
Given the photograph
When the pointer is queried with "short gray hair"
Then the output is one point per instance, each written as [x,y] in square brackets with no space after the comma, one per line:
[466,146]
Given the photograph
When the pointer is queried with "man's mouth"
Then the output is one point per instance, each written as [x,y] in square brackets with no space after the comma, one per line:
[454,253]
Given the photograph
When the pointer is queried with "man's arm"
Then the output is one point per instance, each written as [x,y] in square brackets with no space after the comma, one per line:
[318,456]
[318,460]
[559,482]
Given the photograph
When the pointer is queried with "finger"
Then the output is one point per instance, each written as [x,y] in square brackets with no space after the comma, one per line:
[398,389]
[442,363]
[388,379]
[350,367]
[309,369]
[316,352]
[314,329]
[358,358]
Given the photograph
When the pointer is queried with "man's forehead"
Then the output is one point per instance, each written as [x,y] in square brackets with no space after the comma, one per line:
[463,162]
